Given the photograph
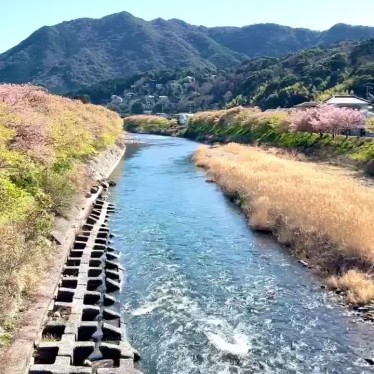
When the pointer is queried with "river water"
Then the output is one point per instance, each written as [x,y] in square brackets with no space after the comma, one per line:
[204,294]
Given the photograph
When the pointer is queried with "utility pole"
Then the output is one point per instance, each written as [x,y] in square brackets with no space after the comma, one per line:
[163,101]
[368,86]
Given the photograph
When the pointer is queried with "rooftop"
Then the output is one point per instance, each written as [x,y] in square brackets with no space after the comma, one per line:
[307,104]
[347,100]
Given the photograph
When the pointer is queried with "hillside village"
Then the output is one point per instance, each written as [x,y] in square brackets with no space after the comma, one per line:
[152,96]
[179,98]
[314,75]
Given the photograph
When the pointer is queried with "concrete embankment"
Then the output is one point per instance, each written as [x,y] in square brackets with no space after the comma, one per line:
[67,325]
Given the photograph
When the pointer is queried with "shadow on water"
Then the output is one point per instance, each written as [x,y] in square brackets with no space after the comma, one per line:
[204,294]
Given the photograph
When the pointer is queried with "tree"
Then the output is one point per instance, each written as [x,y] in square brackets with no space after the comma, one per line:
[238,101]
[157,108]
[327,119]
[137,108]
[335,120]
[301,121]
[338,61]
[228,96]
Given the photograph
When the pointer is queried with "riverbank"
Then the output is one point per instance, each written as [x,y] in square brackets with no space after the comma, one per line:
[353,154]
[248,126]
[206,294]
[16,358]
[325,219]
[267,129]
[148,124]
[52,150]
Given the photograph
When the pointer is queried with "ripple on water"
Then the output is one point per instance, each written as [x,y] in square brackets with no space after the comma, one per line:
[204,295]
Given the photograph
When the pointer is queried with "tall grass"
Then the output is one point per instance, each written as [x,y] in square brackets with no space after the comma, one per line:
[44,142]
[247,124]
[325,217]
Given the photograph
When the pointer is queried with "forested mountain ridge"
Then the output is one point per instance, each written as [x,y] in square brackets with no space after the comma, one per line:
[87,51]
[268,82]
[315,73]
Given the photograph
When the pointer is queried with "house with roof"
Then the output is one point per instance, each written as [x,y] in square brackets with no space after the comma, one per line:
[349,101]
[307,105]
[345,101]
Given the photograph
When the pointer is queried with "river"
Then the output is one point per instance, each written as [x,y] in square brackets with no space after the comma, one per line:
[204,294]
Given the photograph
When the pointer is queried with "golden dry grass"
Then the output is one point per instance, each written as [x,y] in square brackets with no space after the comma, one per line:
[360,286]
[327,218]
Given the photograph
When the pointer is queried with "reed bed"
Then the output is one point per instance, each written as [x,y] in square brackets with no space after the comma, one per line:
[326,219]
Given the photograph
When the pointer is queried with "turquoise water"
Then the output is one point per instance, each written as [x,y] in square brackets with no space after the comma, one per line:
[204,294]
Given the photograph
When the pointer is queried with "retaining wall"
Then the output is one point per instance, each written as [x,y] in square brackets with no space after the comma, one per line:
[16,359]
[84,331]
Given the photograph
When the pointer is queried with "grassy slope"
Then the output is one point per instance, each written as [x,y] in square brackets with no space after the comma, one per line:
[236,125]
[329,227]
[44,142]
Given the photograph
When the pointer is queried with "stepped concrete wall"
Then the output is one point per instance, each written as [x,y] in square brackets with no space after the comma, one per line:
[17,358]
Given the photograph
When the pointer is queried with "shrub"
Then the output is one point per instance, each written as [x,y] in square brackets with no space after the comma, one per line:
[151,124]
[58,190]
[239,122]
[137,108]
[369,168]
[359,286]
[370,124]
[44,141]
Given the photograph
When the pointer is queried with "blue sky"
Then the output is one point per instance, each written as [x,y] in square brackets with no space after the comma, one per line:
[19,18]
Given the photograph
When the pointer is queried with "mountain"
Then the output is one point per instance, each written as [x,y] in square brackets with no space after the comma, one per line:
[316,73]
[341,32]
[267,82]
[86,51]
[264,39]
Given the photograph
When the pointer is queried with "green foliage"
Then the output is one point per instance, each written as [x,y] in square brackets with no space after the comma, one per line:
[14,201]
[144,124]
[58,191]
[267,82]
[137,108]
[70,138]
[238,101]
[44,142]
[310,74]
[251,126]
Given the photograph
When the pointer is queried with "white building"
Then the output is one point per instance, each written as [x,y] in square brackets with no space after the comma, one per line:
[349,101]
[190,79]
[116,100]
[183,118]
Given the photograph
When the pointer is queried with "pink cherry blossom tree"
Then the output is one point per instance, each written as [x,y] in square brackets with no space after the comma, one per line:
[328,119]
[301,121]
[335,120]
